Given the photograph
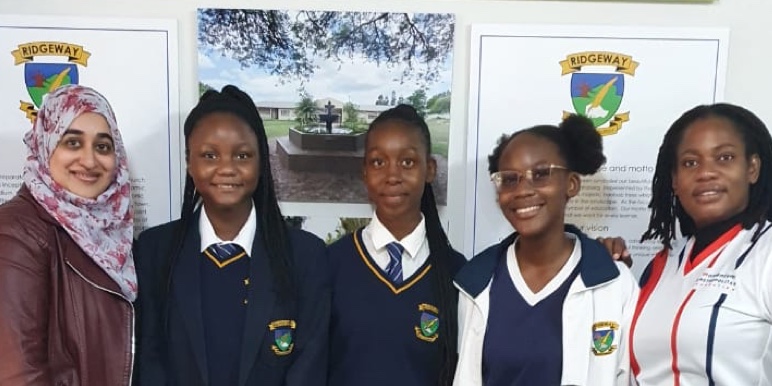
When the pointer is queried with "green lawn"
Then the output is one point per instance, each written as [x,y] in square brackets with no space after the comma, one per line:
[277,128]
[439,129]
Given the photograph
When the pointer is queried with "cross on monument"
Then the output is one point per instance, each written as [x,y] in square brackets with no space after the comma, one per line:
[329,107]
[329,117]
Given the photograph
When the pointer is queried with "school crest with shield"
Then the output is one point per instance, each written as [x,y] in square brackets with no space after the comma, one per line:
[44,77]
[429,323]
[282,336]
[603,334]
[598,87]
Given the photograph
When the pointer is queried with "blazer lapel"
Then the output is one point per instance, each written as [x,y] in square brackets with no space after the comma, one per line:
[187,291]
[260,303]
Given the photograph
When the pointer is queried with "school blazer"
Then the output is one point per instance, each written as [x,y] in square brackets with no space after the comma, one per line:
[602,297]
[177,358]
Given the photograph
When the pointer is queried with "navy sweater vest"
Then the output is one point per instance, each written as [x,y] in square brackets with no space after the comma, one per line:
[223,300]
[381,334]
[523,343]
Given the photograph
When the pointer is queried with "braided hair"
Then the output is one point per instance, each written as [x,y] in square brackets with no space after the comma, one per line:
[273,231]
[665,206]
[441,253]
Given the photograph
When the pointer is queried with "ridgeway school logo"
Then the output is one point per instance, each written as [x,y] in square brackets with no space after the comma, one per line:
[429,323]
[44,77]
[598,95]
[282,336]
[603,337]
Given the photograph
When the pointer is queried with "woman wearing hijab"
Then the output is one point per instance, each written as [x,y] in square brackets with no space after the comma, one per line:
[67,275]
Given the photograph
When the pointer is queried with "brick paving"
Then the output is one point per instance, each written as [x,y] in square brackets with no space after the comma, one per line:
[335,187]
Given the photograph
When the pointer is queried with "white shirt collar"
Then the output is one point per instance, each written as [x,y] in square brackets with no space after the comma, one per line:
[244,238]
[382,236]
[518,280]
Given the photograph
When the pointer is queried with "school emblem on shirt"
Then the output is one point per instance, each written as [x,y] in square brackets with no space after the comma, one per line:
[44,77]
[603,337]
[429,323]
[282,336]
[598,95]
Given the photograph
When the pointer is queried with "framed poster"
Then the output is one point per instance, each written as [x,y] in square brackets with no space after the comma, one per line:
[329,74]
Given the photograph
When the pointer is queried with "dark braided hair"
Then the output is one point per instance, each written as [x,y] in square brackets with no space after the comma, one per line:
[576,138]
[665,206]
[440,256]
[274,233]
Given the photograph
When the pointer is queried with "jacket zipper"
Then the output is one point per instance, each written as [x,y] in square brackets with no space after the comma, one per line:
[133,349]
[131,319]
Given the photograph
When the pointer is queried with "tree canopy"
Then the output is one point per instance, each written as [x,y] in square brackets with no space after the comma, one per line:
[418,101]
[439,104]
[305,110]
[286,43]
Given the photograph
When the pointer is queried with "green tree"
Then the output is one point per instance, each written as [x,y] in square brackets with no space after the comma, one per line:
[285,43]
[305,110]
[418,100]
[350,116]
[439,104]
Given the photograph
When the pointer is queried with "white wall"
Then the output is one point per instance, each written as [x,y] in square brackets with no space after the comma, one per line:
[748,76]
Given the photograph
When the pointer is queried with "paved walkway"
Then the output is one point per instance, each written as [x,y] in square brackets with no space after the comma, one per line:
[335,187]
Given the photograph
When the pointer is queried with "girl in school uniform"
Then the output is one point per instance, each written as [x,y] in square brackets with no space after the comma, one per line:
[705,312]
[393,310]
[230,295]
[547,306]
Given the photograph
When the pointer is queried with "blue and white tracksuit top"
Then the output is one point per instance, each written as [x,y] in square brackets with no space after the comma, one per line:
[602,298]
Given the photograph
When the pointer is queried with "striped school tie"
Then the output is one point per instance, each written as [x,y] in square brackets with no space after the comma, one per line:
[224,254]
[394,269]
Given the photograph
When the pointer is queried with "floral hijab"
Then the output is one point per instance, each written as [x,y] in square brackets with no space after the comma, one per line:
[104,226]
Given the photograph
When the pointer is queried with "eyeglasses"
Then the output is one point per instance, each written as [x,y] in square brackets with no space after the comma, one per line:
[538,177]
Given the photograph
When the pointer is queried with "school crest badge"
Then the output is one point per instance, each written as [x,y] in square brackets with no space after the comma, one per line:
[42,77]
[596,92]
[429,323]
[603,334]
[282,336]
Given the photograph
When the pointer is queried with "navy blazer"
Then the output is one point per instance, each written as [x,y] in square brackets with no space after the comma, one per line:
[177,358]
